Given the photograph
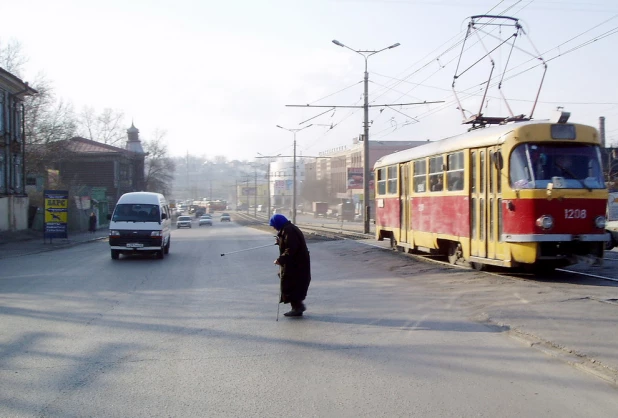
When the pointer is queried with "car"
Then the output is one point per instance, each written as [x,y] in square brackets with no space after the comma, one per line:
[183,222]
[205,220]
[225,217]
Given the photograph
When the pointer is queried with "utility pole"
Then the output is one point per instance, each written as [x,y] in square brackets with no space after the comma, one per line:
[294,169]
[255,192]
[365,107]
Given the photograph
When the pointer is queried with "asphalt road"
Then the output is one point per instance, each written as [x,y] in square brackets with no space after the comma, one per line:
[195,335]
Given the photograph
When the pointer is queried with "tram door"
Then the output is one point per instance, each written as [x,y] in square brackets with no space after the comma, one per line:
[496,248]
[404,185]
[478,203]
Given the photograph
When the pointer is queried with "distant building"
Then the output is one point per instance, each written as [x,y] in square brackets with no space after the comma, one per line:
[13,199]
[342,167]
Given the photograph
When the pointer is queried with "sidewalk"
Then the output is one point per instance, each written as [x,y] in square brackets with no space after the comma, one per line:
[21,243]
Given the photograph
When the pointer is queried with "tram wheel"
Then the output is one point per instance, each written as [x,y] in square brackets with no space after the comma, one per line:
[479,266]
[454,252]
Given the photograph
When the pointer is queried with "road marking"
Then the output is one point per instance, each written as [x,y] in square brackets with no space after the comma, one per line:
[588,274]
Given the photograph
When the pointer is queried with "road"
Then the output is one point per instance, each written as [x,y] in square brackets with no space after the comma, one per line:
[195,335]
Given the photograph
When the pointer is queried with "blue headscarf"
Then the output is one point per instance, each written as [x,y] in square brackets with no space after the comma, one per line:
[277,221]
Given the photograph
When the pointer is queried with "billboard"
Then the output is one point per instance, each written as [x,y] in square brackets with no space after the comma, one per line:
[56,213]
[355,178]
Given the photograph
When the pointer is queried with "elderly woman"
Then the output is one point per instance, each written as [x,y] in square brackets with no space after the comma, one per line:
[295,269]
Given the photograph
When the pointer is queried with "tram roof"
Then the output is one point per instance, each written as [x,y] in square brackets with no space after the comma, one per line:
[485,137]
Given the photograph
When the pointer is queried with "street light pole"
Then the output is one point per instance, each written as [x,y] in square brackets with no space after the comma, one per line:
[294,180]
[366,171]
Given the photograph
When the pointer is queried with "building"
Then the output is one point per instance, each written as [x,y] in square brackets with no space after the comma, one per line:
[342,167]
[13,198]
[96,175]
[282,181]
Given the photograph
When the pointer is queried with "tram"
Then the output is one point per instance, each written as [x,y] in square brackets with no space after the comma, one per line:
[526,194]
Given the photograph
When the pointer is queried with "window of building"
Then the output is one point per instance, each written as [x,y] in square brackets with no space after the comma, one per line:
[2,172]
[420,176]
[392,179]
[382,181]
[2,112]
[455,171]
[436,174]
[17,174]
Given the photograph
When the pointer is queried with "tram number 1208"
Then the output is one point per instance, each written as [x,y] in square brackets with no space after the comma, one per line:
[575,213]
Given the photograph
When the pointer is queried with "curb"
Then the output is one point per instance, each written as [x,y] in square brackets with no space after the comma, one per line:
[579,361]
[53,248]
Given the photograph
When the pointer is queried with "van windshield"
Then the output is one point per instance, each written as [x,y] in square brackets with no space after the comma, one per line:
[136,213]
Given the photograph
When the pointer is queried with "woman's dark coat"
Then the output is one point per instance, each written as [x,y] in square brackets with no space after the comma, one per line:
[92,223]
[295,270]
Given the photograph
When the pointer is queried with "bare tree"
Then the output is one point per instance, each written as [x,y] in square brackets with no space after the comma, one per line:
[48,123]
[159,167]
[11,57]
[107,127]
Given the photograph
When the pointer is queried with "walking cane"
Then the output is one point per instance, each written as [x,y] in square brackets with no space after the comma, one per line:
[247,249]
[279,301]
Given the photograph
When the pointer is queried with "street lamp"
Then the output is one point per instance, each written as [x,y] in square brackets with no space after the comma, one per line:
[294,180]
[366,55]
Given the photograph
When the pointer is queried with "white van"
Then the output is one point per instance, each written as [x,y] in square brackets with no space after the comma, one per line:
[140,222]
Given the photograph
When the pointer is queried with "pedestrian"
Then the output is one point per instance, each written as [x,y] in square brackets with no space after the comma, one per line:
[92,223]
[294,264]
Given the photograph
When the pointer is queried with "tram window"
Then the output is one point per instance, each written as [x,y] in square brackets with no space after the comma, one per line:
[481,219]
[492,217]
[455,171]
[499,180]
[482,174]
[392,179]
[420,176]
[499,220]
[382,181]
[492,174]
[436,174]
[473,216]
[473,172]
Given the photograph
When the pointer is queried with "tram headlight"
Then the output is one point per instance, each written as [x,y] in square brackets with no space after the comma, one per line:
[599,221]
[545,222]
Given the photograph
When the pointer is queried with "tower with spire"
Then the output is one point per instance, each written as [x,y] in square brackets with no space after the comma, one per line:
[134,145]
[133,142]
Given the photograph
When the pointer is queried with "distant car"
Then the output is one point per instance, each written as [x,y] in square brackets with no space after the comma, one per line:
[205,220]
[225,217]
[183,222]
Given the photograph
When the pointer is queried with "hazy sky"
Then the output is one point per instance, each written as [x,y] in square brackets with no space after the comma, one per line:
[217,74]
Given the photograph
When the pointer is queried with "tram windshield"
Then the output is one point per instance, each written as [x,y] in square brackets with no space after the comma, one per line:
[534,166]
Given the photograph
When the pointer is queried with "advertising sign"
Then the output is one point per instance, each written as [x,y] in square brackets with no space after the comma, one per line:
[56,213]
[355,178]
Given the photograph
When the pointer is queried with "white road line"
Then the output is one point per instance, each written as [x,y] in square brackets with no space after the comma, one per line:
[589,275]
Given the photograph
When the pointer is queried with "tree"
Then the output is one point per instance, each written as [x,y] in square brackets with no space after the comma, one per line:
[159,167]
[11,57]
[107,127]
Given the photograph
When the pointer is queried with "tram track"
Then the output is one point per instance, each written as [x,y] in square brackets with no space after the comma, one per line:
[337,232]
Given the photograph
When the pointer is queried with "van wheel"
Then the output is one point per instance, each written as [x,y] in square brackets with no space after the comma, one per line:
[160,254]
[166,250]
[115,254]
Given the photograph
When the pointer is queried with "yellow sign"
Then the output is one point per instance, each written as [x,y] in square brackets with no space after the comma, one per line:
[56,203]
[52,216]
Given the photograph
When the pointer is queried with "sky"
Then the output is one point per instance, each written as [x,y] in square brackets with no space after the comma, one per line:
[217,75]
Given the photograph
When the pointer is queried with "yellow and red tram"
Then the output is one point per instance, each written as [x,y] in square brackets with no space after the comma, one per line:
[521,194]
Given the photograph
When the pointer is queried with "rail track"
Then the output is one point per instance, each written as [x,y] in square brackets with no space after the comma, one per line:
[338,232]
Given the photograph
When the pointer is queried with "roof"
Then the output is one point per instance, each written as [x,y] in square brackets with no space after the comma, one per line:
[494,135]
[86,146]
[17,86]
